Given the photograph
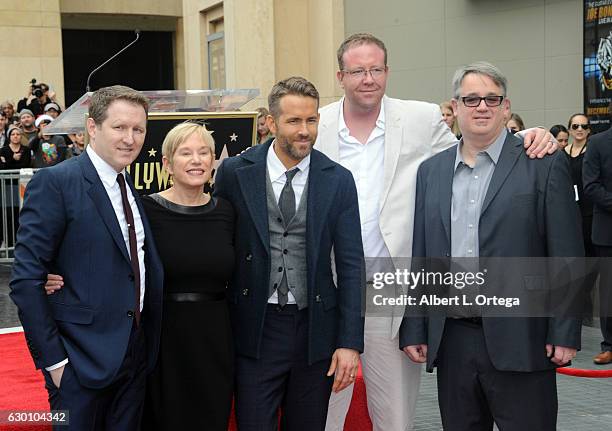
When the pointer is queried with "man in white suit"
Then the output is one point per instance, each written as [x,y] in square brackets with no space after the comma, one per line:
[382,141]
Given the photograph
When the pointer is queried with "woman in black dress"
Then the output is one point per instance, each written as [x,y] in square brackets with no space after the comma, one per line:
[579,129]
[191,385]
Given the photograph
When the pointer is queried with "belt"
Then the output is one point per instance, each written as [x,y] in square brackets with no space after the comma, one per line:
[195,297]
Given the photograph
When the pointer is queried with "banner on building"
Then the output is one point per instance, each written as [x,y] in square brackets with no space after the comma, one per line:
[598,62]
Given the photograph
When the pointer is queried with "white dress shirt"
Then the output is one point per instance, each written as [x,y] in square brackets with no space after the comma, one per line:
[108,176]
[276,172]
[366,162]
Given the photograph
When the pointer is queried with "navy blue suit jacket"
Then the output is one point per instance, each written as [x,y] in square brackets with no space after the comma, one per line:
[528,211]
[332,222]
[68,226]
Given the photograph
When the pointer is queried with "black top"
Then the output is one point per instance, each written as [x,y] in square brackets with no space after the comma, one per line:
[7,160]
[585,205]
[182,233]
[192,384]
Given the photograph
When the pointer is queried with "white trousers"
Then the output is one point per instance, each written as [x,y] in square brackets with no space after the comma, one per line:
[392,383]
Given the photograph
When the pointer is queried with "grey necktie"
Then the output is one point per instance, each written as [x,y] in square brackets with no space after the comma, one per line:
[286,204]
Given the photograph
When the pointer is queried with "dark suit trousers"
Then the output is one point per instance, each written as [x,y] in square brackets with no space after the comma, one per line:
[117,407]
[472,393]
[605,296]
[281,378]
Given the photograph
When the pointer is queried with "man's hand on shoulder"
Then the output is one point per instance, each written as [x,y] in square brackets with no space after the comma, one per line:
[539,142]
[344,365]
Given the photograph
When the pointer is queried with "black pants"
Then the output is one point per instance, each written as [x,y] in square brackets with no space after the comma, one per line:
[472,393]
[117,407]
[605,296]
[282,378]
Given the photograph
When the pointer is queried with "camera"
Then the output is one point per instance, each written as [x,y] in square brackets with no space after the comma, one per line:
[36,88]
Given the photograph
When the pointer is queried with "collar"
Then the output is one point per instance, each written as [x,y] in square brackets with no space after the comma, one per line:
[343,129]
[106,172]
[276,169]
[493,151]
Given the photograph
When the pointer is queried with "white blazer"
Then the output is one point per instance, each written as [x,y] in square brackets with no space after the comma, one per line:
[414,131]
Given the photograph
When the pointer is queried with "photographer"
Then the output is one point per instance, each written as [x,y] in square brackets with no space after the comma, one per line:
[38,96]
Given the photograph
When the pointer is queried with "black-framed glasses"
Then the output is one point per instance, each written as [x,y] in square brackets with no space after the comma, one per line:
[582,126]
[358,74]
[474,101]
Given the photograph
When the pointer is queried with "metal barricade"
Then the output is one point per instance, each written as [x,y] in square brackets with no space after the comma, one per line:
[12,187]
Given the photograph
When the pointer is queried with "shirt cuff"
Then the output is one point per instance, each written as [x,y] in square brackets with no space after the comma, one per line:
[58,365]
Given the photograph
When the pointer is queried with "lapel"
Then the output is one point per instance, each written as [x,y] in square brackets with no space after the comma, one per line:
[328,141]
[100,198]
[252,181]
[322,185]
[446,174]
[509,155]
[393,144]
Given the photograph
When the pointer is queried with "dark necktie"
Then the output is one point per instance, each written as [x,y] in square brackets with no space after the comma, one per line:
[286,203]
[129,218]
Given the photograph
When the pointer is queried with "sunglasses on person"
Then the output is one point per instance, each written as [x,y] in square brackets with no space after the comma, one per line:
[582,126]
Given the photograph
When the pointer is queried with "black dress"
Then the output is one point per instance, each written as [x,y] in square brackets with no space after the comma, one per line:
[585,205]
[191,385]
[586,211]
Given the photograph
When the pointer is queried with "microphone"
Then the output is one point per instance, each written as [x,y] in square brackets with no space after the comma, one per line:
[87,88]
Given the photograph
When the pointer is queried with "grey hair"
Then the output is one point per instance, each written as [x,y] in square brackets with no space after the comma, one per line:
[479,68]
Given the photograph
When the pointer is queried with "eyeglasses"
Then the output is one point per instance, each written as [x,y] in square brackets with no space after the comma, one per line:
[582,126]
[474,101]
[358,74]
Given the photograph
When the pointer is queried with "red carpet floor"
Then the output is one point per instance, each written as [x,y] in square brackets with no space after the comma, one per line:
[22,387]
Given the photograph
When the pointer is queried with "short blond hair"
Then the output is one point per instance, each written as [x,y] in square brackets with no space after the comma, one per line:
[179,134]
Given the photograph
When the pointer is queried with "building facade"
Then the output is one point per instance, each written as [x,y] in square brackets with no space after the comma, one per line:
[254,43]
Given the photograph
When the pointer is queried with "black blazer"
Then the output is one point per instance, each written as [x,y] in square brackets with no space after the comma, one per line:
[528,211]
[597,182]
[334,311]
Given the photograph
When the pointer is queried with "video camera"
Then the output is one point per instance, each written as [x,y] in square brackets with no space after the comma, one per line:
[36,88]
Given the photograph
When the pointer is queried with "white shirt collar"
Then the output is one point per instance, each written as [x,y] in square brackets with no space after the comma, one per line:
[276,169]
[106,172]
[343,129]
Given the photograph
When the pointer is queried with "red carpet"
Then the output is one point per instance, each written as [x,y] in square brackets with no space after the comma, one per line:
[22,387]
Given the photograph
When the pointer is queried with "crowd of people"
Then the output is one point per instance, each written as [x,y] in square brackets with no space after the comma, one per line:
[183,301]
[28,122]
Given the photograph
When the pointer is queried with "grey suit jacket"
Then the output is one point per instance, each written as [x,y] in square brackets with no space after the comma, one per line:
[528,211]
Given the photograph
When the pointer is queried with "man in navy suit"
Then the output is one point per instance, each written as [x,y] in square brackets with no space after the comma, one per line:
[295,324]
[96,338]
